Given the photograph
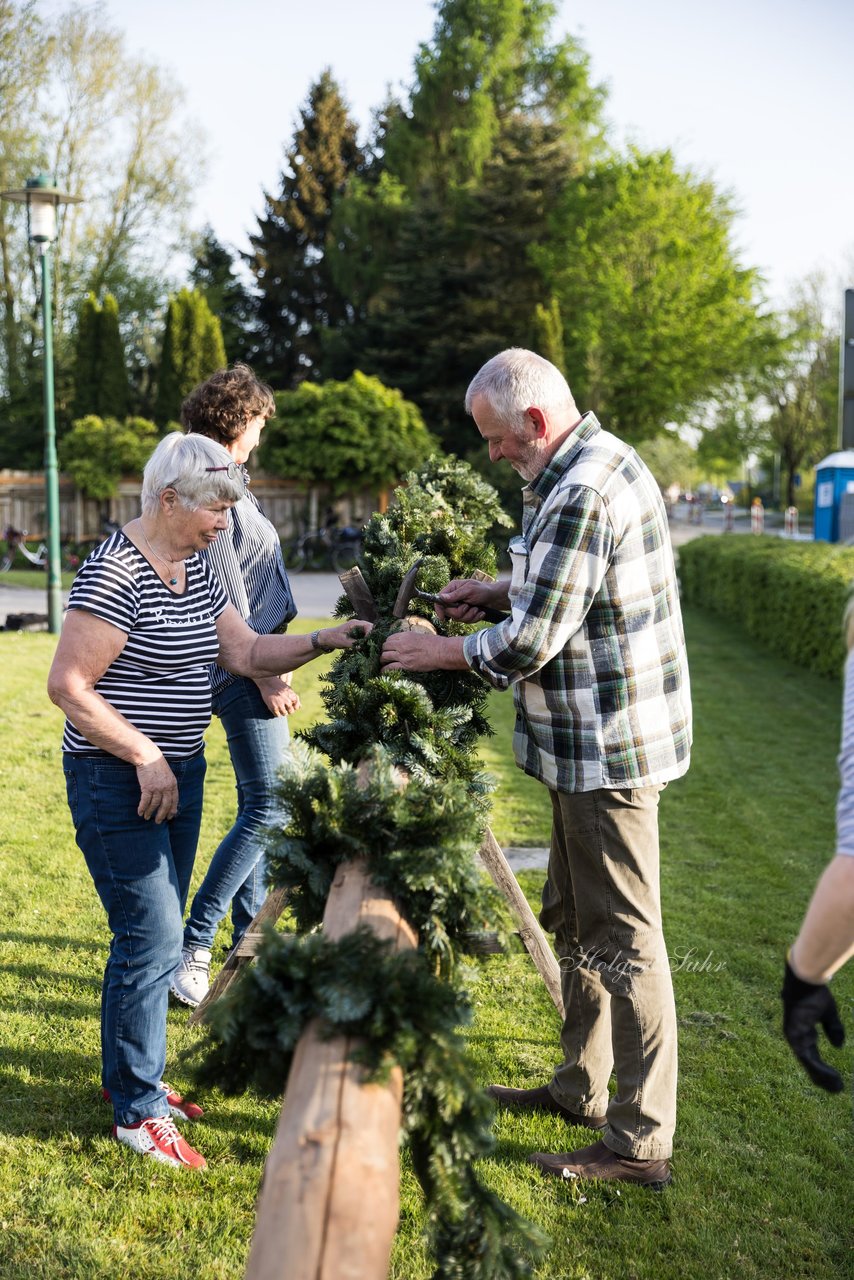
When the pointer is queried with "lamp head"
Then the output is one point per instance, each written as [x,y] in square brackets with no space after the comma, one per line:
[42,199]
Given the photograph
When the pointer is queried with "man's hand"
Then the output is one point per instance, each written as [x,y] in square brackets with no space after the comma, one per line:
[159,791]
[279,697]
[806,1005]
[464,599]
[416,651]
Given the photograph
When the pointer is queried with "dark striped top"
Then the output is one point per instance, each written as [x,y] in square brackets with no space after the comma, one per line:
[159,682]
[247,559]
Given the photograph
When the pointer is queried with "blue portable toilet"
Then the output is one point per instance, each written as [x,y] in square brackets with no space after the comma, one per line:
[834,490]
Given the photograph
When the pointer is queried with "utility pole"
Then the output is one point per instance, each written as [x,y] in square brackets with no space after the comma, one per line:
[846,374]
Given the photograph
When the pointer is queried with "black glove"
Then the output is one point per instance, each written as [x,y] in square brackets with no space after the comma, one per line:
[805,1005]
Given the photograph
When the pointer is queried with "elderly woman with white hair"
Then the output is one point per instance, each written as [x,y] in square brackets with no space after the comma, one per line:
[146,617]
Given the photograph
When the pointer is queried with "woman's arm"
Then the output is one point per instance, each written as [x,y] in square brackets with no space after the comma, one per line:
[279,697]
[245,653]
[87,647]
[826,939]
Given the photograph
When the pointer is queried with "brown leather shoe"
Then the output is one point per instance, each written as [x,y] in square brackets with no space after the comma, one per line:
[599,1161]
[541,1100]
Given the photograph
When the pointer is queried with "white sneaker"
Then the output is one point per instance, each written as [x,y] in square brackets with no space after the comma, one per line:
[159,1138]
[191,979]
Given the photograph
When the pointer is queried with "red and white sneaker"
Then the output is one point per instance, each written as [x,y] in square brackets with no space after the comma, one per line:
[159,1138]
[179,1106]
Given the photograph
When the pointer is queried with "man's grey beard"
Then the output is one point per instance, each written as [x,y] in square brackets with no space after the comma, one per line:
[530,464]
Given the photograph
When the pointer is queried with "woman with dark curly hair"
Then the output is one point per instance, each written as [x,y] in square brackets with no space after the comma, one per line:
[231,407]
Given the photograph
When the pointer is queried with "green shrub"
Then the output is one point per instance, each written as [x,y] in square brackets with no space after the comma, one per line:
[790,596]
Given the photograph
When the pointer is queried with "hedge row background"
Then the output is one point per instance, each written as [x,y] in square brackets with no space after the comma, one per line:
[790,596]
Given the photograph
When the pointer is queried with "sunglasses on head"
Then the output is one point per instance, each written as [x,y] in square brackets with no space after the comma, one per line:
[232,469]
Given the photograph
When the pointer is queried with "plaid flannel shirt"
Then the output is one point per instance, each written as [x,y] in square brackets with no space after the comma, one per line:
[594,647]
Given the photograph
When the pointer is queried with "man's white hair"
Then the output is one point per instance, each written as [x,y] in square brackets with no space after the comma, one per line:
[185,464]
[515,380]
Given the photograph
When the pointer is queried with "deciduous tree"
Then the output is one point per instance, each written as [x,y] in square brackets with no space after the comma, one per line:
[107,126]
[97,452]
[349,434]
[803,388]
[658,313]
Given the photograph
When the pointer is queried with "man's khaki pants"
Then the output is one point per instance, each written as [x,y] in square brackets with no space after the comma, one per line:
[602,902]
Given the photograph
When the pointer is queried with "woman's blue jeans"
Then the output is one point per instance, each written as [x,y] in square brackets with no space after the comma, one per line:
[257,743]
[141,871]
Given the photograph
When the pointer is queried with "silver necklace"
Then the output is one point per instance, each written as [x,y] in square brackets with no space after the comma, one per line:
[173,582]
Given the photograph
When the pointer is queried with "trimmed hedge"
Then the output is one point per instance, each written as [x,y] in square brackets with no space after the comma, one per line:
[790,596]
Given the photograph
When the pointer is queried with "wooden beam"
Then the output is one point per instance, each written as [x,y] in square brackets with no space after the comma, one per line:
[329,1200]
[535,941]
[238,957]
[359,593]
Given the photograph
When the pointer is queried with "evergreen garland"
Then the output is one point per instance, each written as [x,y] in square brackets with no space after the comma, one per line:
[419,844]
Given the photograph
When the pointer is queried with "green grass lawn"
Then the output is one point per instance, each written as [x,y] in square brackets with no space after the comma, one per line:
[34,578]
[762,1165]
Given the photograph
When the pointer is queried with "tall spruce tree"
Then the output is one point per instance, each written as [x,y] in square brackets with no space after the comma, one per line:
[297,298]
[499,122]
[487,61]
[193,349]
[459,281]
[100,374]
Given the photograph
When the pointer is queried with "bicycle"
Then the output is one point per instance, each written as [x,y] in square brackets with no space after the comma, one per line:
[330,547]
[15,542]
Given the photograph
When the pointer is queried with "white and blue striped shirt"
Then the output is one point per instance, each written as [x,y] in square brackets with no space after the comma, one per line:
[845,803]
[159,681]
[247,559]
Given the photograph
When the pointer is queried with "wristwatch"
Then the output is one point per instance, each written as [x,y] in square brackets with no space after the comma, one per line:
[315,642]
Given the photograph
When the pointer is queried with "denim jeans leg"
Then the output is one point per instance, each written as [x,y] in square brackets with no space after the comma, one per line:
[257,743]
[141,872]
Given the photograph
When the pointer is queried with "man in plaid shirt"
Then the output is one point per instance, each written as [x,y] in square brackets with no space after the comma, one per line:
[594,651]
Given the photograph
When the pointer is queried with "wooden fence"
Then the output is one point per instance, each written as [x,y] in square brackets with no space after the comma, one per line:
[288,505]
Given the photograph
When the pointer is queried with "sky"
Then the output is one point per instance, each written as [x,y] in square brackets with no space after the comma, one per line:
[754,93]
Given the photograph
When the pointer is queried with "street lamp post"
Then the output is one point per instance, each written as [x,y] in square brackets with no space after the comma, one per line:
[42,199]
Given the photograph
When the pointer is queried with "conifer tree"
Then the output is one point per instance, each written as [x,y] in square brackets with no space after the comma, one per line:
[499,122]
[487,62]
[214,276]
[297,299]
[460,282]
[101,385]
[193,349]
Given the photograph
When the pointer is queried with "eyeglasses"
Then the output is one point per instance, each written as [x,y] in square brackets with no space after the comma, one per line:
[232,470]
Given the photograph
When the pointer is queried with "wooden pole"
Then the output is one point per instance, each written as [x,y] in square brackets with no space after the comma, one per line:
[329,1200]
[535,941]
[238,957]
